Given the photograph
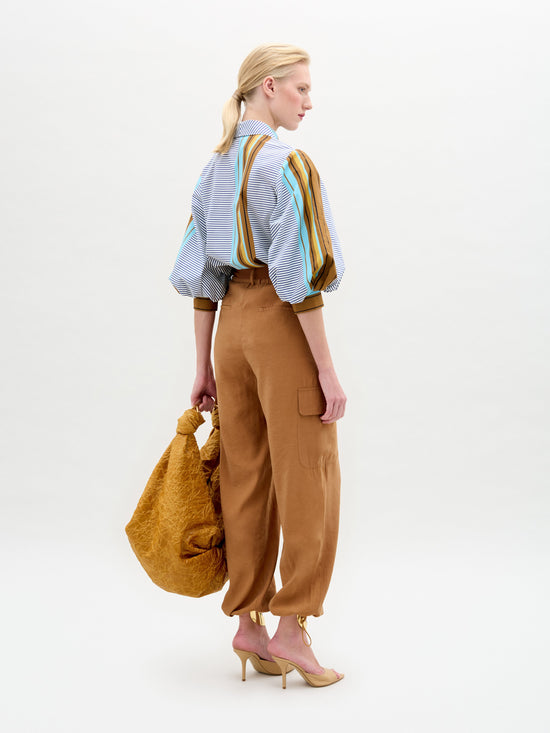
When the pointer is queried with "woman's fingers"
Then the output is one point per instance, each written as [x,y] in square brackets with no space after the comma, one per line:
[203,393]
[334,396]
[335,410]
[204,402]
[207,403]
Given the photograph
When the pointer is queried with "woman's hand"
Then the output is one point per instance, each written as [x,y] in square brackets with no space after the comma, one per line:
[334,396]
[203,394]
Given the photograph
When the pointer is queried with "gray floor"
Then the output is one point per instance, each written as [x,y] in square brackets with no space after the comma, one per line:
[438,639]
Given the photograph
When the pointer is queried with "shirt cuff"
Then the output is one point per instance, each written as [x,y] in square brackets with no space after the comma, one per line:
[309,303]
[205,304]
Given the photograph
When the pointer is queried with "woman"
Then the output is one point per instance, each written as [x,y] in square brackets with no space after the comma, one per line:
[261,240]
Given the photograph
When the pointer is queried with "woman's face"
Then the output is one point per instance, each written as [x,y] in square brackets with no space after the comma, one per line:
[291,100]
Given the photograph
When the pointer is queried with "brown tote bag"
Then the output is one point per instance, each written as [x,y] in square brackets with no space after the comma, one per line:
[176,530]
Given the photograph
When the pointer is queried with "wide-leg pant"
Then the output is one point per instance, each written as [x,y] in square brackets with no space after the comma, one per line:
[279,463]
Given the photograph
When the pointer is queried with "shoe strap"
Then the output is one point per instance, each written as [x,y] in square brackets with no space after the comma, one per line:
[302,623]
[257,617]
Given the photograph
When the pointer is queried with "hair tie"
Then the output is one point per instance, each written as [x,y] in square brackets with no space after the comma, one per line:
[238,96]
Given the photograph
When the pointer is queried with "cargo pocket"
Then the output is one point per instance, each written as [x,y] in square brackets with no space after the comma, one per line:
[317,442]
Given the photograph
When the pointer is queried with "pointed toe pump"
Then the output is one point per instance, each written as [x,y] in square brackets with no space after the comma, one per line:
[327,677]
[264,666]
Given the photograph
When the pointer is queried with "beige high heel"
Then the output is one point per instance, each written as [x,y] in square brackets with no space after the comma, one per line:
[264,666]
[327,677]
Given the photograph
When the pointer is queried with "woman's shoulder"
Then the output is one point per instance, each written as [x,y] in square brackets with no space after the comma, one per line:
[279,157]
[271,159]
[284,155]
[272,155]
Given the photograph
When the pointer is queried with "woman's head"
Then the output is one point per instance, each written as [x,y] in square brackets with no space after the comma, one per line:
[274,83]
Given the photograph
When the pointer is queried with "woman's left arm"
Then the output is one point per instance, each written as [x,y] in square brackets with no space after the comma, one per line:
[313,326]
[203,393]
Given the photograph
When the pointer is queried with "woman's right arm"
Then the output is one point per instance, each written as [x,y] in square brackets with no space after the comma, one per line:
[203,393]
[313,326]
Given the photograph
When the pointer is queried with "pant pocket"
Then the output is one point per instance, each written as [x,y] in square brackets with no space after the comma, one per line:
[317,442]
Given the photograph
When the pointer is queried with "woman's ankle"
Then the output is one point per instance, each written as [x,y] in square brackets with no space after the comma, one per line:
[288,628]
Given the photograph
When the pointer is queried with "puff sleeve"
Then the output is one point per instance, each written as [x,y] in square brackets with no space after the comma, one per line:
[304,257]
[194,273]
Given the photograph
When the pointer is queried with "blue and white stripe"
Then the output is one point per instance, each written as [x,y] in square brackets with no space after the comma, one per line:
[284,237]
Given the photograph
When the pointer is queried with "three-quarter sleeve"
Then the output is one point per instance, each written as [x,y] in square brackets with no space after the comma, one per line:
[304,257]
[194,273]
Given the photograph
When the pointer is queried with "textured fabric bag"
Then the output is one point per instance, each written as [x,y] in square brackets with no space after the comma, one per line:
[176,530]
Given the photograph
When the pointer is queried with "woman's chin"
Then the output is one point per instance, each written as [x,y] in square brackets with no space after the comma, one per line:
[291,125]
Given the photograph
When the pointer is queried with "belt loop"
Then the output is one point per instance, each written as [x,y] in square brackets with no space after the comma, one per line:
[251,276]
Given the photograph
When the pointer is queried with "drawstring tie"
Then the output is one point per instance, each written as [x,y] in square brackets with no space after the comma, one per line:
[302,623]
[257,617]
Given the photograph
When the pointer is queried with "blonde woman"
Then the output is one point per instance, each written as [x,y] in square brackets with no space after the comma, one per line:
[261,242]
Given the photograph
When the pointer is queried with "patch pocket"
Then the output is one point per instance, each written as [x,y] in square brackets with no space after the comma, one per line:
[317,442]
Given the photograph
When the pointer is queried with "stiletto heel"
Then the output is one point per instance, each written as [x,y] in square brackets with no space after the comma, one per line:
[284,667]
[243,656]
[327,677]
[264,666]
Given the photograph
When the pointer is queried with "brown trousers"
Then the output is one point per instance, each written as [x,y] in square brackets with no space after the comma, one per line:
[279,463]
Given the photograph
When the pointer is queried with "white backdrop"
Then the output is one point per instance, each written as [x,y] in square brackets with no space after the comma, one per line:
[430,129]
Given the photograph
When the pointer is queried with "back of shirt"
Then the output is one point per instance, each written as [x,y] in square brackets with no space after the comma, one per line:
[261,203]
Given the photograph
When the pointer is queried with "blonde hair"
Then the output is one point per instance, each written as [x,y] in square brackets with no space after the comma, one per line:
[268,59]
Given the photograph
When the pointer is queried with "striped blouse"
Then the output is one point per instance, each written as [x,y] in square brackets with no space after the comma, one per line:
[261,203]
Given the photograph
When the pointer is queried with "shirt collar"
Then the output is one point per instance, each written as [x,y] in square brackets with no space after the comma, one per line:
[254,127]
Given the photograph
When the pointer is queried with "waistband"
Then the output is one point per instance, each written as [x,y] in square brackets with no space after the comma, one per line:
[260,275]
[251,275]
